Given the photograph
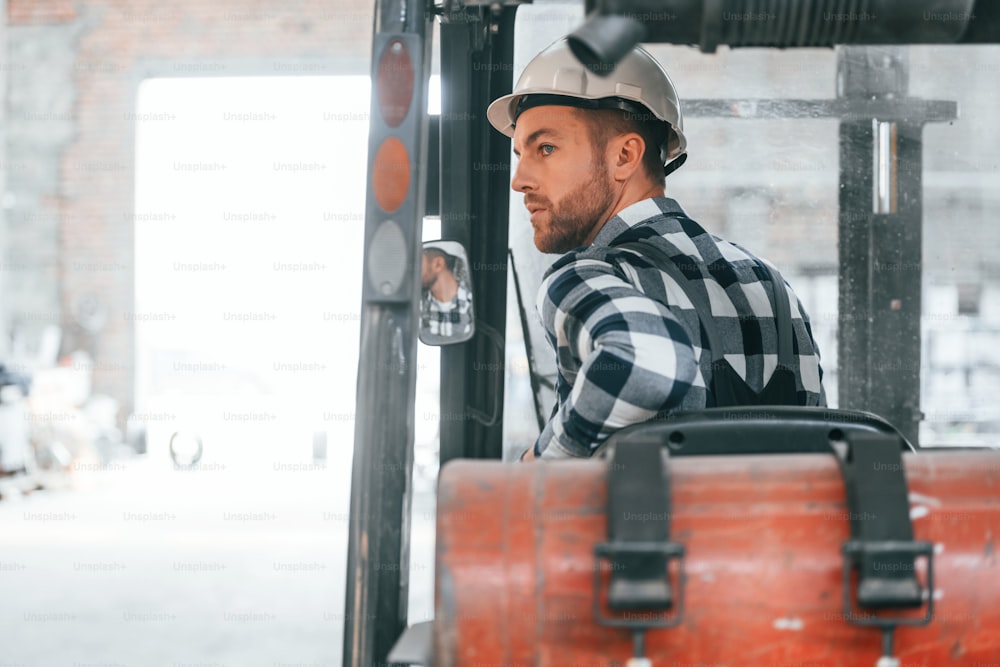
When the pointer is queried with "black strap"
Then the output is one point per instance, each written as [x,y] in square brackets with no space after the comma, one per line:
[782,317]
[675,164]
[879,512]
[638,514]
[698,298]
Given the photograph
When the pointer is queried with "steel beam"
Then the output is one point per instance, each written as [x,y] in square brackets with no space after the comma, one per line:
[880,241]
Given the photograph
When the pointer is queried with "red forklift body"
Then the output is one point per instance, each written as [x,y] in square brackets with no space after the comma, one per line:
[764,566]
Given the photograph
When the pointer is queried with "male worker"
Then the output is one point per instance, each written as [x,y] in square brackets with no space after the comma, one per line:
[630,344]
[446,305]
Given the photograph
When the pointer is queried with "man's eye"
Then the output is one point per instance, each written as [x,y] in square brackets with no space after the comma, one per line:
[546,149]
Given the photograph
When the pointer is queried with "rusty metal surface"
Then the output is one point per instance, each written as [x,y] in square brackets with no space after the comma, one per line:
[763,537]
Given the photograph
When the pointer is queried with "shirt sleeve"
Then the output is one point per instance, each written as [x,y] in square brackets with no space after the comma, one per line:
[634,358]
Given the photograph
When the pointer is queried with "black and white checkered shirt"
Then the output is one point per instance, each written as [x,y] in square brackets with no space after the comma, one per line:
[450,318]
[628,342]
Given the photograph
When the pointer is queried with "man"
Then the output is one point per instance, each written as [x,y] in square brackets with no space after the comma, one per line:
[446,307]
[630,345]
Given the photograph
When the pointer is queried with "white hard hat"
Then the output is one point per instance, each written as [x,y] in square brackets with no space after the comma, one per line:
[555,76]
[453,248]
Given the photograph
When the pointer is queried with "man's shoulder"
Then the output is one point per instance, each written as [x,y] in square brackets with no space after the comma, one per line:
[586,258]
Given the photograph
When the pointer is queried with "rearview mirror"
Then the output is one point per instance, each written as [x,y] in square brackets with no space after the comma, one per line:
[446,314]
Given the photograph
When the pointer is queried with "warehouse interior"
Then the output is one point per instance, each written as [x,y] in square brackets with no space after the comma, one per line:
[177,415]
[180,283]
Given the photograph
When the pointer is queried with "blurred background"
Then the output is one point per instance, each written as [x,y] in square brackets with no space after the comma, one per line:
[180,285]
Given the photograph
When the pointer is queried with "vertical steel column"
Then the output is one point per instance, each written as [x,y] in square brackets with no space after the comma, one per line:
[379,531]
[476,62]
[880,243]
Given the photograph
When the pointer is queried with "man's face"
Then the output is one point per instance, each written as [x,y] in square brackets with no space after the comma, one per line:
[563,177]
[427,270]
[431,267]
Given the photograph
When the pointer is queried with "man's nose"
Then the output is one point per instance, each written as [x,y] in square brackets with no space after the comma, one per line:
[522,181]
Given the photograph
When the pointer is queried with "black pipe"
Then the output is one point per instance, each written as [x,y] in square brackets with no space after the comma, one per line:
[800,23]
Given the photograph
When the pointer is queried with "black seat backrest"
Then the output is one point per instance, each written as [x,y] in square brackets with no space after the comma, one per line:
[756,430]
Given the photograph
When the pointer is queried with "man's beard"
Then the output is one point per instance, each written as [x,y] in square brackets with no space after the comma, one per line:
[570,223]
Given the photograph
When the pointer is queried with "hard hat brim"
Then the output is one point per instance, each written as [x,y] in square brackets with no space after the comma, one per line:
[500,113]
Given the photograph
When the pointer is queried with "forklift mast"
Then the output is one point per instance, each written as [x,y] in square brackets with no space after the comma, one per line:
[467,167]
[476,52]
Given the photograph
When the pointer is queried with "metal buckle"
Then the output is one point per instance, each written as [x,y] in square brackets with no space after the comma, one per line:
[606,551]
[855,548]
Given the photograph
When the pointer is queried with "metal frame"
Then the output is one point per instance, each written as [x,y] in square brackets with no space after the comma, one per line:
[881,240]
[477,48]
[378,535]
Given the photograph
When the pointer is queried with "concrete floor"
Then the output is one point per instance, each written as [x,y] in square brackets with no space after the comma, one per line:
[138,565]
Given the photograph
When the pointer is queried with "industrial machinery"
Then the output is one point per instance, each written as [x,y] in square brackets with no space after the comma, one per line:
[750,537]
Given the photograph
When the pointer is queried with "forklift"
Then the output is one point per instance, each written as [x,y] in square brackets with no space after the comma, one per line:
[764,536]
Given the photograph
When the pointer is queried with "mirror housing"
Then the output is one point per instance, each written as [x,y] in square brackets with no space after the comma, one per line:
[446,313]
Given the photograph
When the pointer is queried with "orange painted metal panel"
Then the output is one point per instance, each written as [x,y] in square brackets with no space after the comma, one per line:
[763,536]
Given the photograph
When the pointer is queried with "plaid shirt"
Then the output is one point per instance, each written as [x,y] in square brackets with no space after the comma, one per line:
[450,318]
[628,342]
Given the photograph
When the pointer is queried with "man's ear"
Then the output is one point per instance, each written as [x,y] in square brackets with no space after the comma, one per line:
[628,150]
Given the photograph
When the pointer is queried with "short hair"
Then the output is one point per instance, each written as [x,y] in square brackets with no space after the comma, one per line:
[607,123]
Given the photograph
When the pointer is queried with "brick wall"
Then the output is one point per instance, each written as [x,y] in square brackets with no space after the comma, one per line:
[74,72]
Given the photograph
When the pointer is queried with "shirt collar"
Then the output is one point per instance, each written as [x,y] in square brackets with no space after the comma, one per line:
[636,214]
